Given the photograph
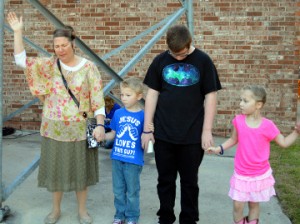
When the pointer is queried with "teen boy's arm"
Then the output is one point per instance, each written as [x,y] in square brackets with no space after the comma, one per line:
[210,107]
[150,106]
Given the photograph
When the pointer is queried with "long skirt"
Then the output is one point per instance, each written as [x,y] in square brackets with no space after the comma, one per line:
[67,166]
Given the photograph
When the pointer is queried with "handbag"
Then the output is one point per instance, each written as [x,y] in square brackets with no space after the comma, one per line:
[91,123]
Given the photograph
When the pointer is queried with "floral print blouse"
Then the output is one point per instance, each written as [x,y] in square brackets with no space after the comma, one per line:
[62,120]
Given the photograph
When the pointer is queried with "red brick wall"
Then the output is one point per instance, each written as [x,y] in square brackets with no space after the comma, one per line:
[250,42]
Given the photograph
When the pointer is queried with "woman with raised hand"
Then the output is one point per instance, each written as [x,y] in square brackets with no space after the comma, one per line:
[66,163]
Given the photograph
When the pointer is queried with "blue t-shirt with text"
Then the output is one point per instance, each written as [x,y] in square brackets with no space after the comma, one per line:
[127,145]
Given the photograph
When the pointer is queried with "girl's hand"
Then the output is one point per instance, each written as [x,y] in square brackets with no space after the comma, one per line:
[15,23]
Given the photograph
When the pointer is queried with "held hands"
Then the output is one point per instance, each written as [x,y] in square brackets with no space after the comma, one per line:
[213,150]
[146,137]
[145,140]
[99,133]
[207,139]
[15,23]
[151,127]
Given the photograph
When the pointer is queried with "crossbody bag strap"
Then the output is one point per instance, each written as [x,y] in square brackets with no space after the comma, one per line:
[69,91]
[66,84]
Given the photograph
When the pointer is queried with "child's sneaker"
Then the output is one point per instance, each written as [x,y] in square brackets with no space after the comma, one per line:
[118,221]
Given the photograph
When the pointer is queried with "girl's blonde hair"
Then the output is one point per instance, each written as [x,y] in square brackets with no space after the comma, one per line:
[133,83]
[259,93]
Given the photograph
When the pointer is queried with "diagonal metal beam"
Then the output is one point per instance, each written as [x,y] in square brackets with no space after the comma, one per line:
[22,176]
[58,23]
[189,16]
[30,43]
[11,115]
[98,61]
[136,38]
[95,57]
[144,50]
[1,91]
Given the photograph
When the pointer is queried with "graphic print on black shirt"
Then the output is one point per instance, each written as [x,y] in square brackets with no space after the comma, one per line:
[181,74]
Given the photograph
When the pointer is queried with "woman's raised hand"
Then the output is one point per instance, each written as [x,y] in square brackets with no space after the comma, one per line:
[15,23]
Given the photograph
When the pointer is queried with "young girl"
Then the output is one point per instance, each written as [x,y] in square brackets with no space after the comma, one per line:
[252,180]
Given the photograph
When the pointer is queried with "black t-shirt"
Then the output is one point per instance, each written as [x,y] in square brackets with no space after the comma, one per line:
[182,86]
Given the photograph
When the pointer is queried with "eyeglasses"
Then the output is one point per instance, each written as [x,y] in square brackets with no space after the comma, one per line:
[180,55]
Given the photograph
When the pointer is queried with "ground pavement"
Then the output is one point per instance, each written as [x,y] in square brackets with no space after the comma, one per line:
[30,204]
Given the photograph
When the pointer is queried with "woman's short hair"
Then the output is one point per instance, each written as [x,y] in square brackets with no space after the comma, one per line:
[67,32]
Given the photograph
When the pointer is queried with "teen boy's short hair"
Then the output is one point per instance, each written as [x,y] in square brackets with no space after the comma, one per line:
[178,38]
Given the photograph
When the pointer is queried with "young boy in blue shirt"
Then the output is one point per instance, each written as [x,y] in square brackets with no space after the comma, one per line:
[127,154]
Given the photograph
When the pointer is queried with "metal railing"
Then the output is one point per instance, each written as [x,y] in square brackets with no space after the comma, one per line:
[1,94]
[116,77]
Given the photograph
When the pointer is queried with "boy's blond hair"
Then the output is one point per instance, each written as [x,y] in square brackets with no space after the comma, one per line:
[133,83]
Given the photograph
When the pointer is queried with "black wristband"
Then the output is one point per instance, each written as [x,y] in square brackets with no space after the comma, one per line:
[97,125]
[147,132]
[222,150]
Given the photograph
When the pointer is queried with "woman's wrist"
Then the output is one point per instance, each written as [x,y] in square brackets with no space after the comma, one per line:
[100,125]
[19,31]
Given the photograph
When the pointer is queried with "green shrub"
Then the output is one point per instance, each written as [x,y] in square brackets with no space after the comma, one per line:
[286,169]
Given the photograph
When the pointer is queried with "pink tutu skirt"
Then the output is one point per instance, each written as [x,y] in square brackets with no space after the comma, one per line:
[254,189]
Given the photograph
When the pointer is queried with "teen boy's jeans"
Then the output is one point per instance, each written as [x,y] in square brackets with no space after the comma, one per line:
[185,160]
[126,188]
